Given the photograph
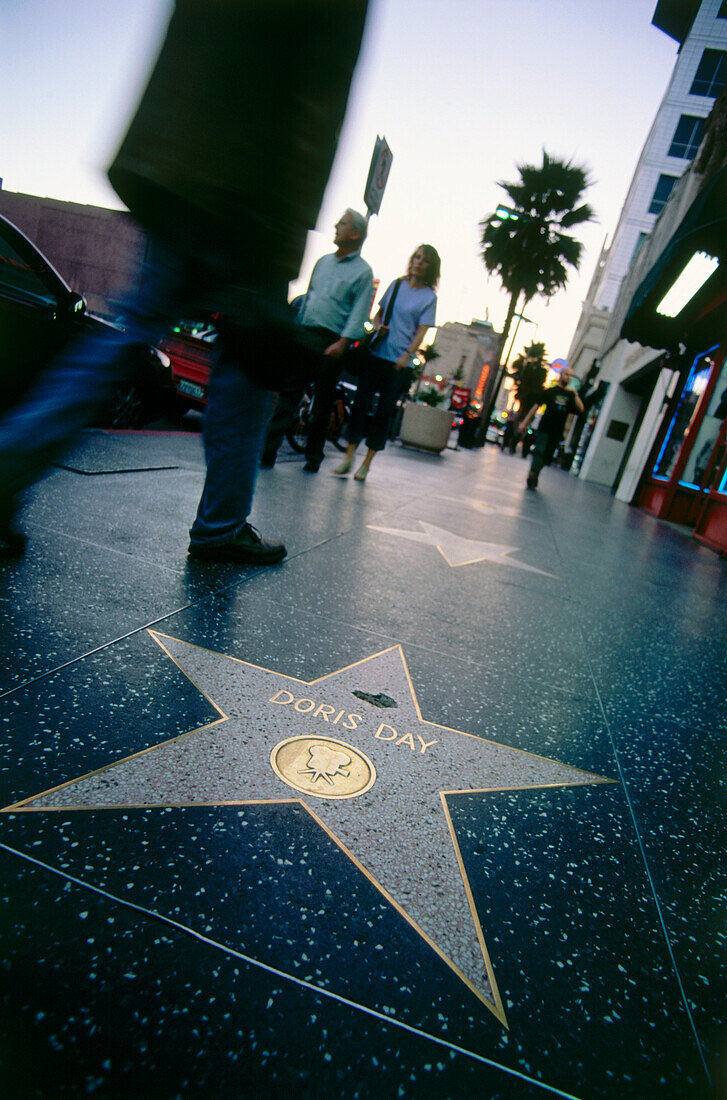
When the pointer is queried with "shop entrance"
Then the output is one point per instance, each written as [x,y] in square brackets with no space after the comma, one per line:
[683,468]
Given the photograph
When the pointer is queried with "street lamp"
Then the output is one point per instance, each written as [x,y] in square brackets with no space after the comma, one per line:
[503,368]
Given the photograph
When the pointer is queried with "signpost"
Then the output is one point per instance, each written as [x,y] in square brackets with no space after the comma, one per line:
[460,397]
[378,175]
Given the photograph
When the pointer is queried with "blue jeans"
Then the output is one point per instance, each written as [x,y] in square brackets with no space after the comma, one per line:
[234,430]
[84,375]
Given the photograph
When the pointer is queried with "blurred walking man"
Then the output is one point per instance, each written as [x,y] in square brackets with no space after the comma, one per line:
[560,402]
[332,315]
[224,165]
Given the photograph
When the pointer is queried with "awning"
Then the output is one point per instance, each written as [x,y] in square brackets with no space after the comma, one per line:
[703,229]
[675,17]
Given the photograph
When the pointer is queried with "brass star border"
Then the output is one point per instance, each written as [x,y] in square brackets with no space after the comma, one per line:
[375,776]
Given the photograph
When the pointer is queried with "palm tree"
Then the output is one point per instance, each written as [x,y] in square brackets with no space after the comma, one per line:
[526,244]
[529,372]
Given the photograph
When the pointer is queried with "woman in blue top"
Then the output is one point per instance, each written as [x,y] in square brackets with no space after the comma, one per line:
[386,369]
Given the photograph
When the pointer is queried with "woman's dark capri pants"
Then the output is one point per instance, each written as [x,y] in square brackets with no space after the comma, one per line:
[377,376]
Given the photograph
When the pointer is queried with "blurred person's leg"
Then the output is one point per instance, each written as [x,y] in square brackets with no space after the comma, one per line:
[82,379]
[234,430]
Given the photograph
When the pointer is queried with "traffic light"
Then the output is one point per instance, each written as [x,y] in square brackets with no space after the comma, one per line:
[506,214]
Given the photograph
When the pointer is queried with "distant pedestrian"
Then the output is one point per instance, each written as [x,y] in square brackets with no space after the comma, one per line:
[407,310]
[511,435]
[559,402]
[332,315]
[224,165]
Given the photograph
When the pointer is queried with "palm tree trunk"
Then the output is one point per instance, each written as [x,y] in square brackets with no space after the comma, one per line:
[501,363]
[508,320]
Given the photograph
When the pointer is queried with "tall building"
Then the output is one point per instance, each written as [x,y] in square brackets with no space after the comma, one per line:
[700,28]
[655,430]
[468,354]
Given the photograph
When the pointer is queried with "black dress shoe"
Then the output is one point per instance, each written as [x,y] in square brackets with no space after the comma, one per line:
[312,465]
[247,548]
[267,460]
[12,541]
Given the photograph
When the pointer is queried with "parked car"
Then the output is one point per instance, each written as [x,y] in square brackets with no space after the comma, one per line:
[39,314]
[189,347]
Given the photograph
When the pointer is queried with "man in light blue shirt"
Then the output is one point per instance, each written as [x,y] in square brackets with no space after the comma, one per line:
[333,312]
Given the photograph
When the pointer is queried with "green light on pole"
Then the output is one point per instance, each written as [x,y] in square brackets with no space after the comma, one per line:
[506,214]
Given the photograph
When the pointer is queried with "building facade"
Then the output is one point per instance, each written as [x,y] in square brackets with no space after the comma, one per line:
[660,439]
[98,252]
[468,355]
[676,133]
[700,29]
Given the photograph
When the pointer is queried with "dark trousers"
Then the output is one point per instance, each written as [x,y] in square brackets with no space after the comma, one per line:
[377,376]
[327,373]
[543,451]
[510,437]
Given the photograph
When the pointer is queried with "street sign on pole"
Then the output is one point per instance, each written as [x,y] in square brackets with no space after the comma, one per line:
[378,175]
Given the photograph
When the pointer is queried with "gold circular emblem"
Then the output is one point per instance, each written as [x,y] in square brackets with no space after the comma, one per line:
[323,767]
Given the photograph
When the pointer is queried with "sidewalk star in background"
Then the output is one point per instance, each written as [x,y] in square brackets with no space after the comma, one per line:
[458,551]
[376,780]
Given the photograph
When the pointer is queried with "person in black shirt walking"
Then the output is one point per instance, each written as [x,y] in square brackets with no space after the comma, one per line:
[559,402]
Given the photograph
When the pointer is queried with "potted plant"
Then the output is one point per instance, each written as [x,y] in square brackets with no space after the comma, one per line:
[425,423]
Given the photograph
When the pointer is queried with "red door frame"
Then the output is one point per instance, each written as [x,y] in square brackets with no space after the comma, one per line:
[667,499]
[711,525]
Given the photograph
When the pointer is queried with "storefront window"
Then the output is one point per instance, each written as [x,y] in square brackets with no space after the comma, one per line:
[708,431]
[683,416]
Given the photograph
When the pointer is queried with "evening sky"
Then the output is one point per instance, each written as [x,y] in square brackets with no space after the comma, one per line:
[463,90]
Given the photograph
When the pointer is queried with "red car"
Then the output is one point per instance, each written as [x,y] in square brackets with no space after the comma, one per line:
[189,347]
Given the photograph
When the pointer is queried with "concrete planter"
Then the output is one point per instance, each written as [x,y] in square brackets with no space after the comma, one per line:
[425,427]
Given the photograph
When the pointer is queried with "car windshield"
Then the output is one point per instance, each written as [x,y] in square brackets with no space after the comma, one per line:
[200,330]
[24,273]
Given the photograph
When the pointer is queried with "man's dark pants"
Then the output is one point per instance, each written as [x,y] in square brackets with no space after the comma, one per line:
[543,452]
[326,378]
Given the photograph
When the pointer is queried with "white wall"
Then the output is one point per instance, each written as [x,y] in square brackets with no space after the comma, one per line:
[604,455]
[605,459]
[642,444]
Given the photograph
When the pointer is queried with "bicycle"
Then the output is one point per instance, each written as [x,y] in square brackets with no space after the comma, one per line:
[297,433]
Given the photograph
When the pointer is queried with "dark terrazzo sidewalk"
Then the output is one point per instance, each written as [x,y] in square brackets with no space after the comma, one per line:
[204,917]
